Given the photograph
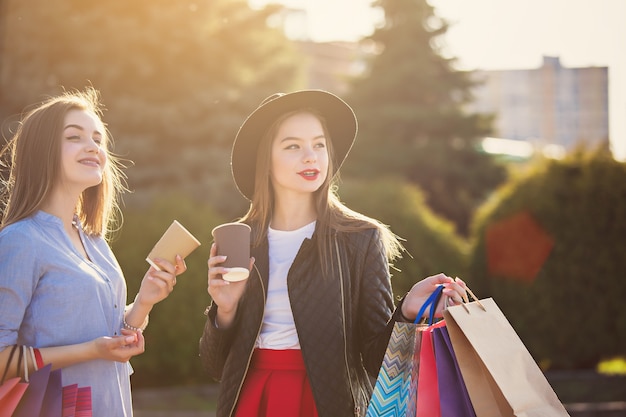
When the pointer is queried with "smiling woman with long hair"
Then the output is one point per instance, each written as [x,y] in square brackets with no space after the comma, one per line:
[62,291]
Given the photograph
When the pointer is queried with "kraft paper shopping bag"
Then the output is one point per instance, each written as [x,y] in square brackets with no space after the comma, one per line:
[501,376]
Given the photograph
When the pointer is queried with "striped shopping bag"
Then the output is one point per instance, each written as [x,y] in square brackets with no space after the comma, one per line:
[395,392]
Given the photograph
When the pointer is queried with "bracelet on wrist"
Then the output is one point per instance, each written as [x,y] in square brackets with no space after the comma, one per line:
[38,358]
[133,328]
[143,325]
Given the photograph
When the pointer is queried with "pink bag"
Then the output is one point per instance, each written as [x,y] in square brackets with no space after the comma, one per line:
[41,393]
[11,390]
[427,385]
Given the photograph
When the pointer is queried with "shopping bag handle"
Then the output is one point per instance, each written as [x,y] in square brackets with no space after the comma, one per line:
[23,354]
[432,301]
[6,368]
[471,294]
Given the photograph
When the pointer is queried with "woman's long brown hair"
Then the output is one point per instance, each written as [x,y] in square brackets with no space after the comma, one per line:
[34,160]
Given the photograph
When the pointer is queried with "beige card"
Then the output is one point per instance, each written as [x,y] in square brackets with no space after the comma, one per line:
[175,241]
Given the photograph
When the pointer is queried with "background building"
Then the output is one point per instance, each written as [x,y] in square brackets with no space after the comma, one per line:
[330,65]
[550,105]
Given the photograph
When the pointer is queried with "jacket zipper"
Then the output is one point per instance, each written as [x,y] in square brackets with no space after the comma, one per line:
[357,408]
[232,410]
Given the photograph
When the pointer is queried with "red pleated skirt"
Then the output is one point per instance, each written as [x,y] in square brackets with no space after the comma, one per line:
[276,386]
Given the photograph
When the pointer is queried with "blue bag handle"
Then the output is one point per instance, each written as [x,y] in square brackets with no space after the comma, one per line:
[431,301]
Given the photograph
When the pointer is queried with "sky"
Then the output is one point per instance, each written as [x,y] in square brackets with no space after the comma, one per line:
[505,34]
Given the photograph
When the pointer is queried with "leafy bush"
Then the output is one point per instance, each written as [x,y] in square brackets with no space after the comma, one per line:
[176,323]
[570,314]
[430,241]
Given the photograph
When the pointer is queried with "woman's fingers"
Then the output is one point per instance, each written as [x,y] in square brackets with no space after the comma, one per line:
[215,261]
[216,272]
[163,280]
[120,348]
[175,269]
[455,288]
[168,273]
[462,284]
[180,266]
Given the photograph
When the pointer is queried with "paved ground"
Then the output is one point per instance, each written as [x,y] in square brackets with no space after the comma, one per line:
[147,404]
[143,413]
[614,409]
[199,401]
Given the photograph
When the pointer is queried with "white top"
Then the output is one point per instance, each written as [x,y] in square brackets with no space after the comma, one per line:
[279,330]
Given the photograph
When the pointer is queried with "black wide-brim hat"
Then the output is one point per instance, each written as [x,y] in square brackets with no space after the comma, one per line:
[340,121]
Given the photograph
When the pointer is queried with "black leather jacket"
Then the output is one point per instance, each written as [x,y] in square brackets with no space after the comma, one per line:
[343,322]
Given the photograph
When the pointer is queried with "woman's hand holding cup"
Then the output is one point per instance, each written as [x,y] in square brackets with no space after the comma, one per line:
[229,265]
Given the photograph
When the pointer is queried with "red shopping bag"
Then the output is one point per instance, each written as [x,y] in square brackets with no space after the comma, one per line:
[76,401]
[427,403]
[70,393]
[83,402]
[427,384]
[41,393]
[11,390]
[25,399]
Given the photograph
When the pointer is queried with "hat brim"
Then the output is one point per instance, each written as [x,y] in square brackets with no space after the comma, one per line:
[340,121]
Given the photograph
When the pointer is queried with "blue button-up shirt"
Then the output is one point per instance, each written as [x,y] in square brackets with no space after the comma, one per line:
[51,296]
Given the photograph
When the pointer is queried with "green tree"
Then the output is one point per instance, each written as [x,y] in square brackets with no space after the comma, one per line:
[412,123]
[177,77]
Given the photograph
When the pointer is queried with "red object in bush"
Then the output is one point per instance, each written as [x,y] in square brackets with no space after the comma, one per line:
[517,247]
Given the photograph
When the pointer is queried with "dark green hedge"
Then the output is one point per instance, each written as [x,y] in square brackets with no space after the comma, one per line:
[571,315]
[431,242]
[176,323]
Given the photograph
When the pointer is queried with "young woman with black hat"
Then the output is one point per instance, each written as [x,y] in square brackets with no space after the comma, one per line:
[305,332]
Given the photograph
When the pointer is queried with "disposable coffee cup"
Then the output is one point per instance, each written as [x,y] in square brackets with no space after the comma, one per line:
[233,241]
[175,241]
